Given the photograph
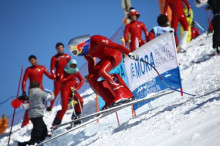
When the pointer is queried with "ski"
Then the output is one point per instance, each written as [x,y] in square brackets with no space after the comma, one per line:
[207,57]
[72,129]
[116,108]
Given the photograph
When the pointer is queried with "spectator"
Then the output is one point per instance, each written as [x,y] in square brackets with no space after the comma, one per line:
[33,73]
[189,18]
[69,88]
[163,27]
[58,62]
[135,29]
[214,5]
[3,124]
[36,106]
[178,16]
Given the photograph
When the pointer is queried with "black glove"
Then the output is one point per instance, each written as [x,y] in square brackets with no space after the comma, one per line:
[23,96]
[133,56]
[188,15]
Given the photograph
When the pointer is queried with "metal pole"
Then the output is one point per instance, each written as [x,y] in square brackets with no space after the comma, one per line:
[12,122]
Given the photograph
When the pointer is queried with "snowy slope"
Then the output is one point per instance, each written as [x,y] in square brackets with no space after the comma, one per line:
[173,120]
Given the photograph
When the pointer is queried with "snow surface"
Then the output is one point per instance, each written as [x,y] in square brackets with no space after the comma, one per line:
[173,119]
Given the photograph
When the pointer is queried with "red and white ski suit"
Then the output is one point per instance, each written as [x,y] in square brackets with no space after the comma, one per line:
[58,62]
[178,14]
[110,55]
[33,73]
[67,81]
[135,28]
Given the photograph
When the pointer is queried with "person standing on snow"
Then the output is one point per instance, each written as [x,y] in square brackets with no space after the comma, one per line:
[214,5]
[58,62]
[36,109]
[69,88]
[163,27]
[135,29]
[110,54]
[178,15]
[33,73]
[189,19]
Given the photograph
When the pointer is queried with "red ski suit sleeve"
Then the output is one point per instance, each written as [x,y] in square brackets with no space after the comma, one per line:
[151,35]
[104,49]
[81,81]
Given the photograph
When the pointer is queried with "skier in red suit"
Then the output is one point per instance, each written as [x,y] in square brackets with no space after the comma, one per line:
[69,88]
[135,29]
[33,73]
[111,89]
[58,62]
[178,15]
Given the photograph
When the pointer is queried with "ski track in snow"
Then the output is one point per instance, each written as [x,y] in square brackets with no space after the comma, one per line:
[173,120]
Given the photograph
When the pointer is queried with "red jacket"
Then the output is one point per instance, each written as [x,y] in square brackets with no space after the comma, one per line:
[35,73]
[68,80]
[57,64]
[135,28]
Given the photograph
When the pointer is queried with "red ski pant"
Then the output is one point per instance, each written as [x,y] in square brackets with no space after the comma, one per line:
[25,119]
[56,92]
[65,94]
[179,18]
[101,70]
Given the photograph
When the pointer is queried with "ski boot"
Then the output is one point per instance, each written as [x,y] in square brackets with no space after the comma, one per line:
[75,117]
[49,109]
[56,121]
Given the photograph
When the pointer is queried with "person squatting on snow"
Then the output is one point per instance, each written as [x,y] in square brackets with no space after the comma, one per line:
[36,109]
[163,27]
[3,124]
[110,55]
[33,73]
[178,15]
[214,5]
[58,62]
[69,88]
[135,29]
[194,31]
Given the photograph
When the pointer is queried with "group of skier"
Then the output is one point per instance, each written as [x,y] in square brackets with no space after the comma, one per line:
[134,28]
[68,80]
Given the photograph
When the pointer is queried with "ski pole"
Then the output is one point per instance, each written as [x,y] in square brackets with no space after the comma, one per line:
[80,106]
[199,25]
[12,122]
[163,80]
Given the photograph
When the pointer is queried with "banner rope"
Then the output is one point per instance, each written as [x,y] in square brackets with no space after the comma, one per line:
[164,81]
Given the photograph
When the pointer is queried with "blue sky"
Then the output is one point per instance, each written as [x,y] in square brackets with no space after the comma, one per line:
[35,26]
